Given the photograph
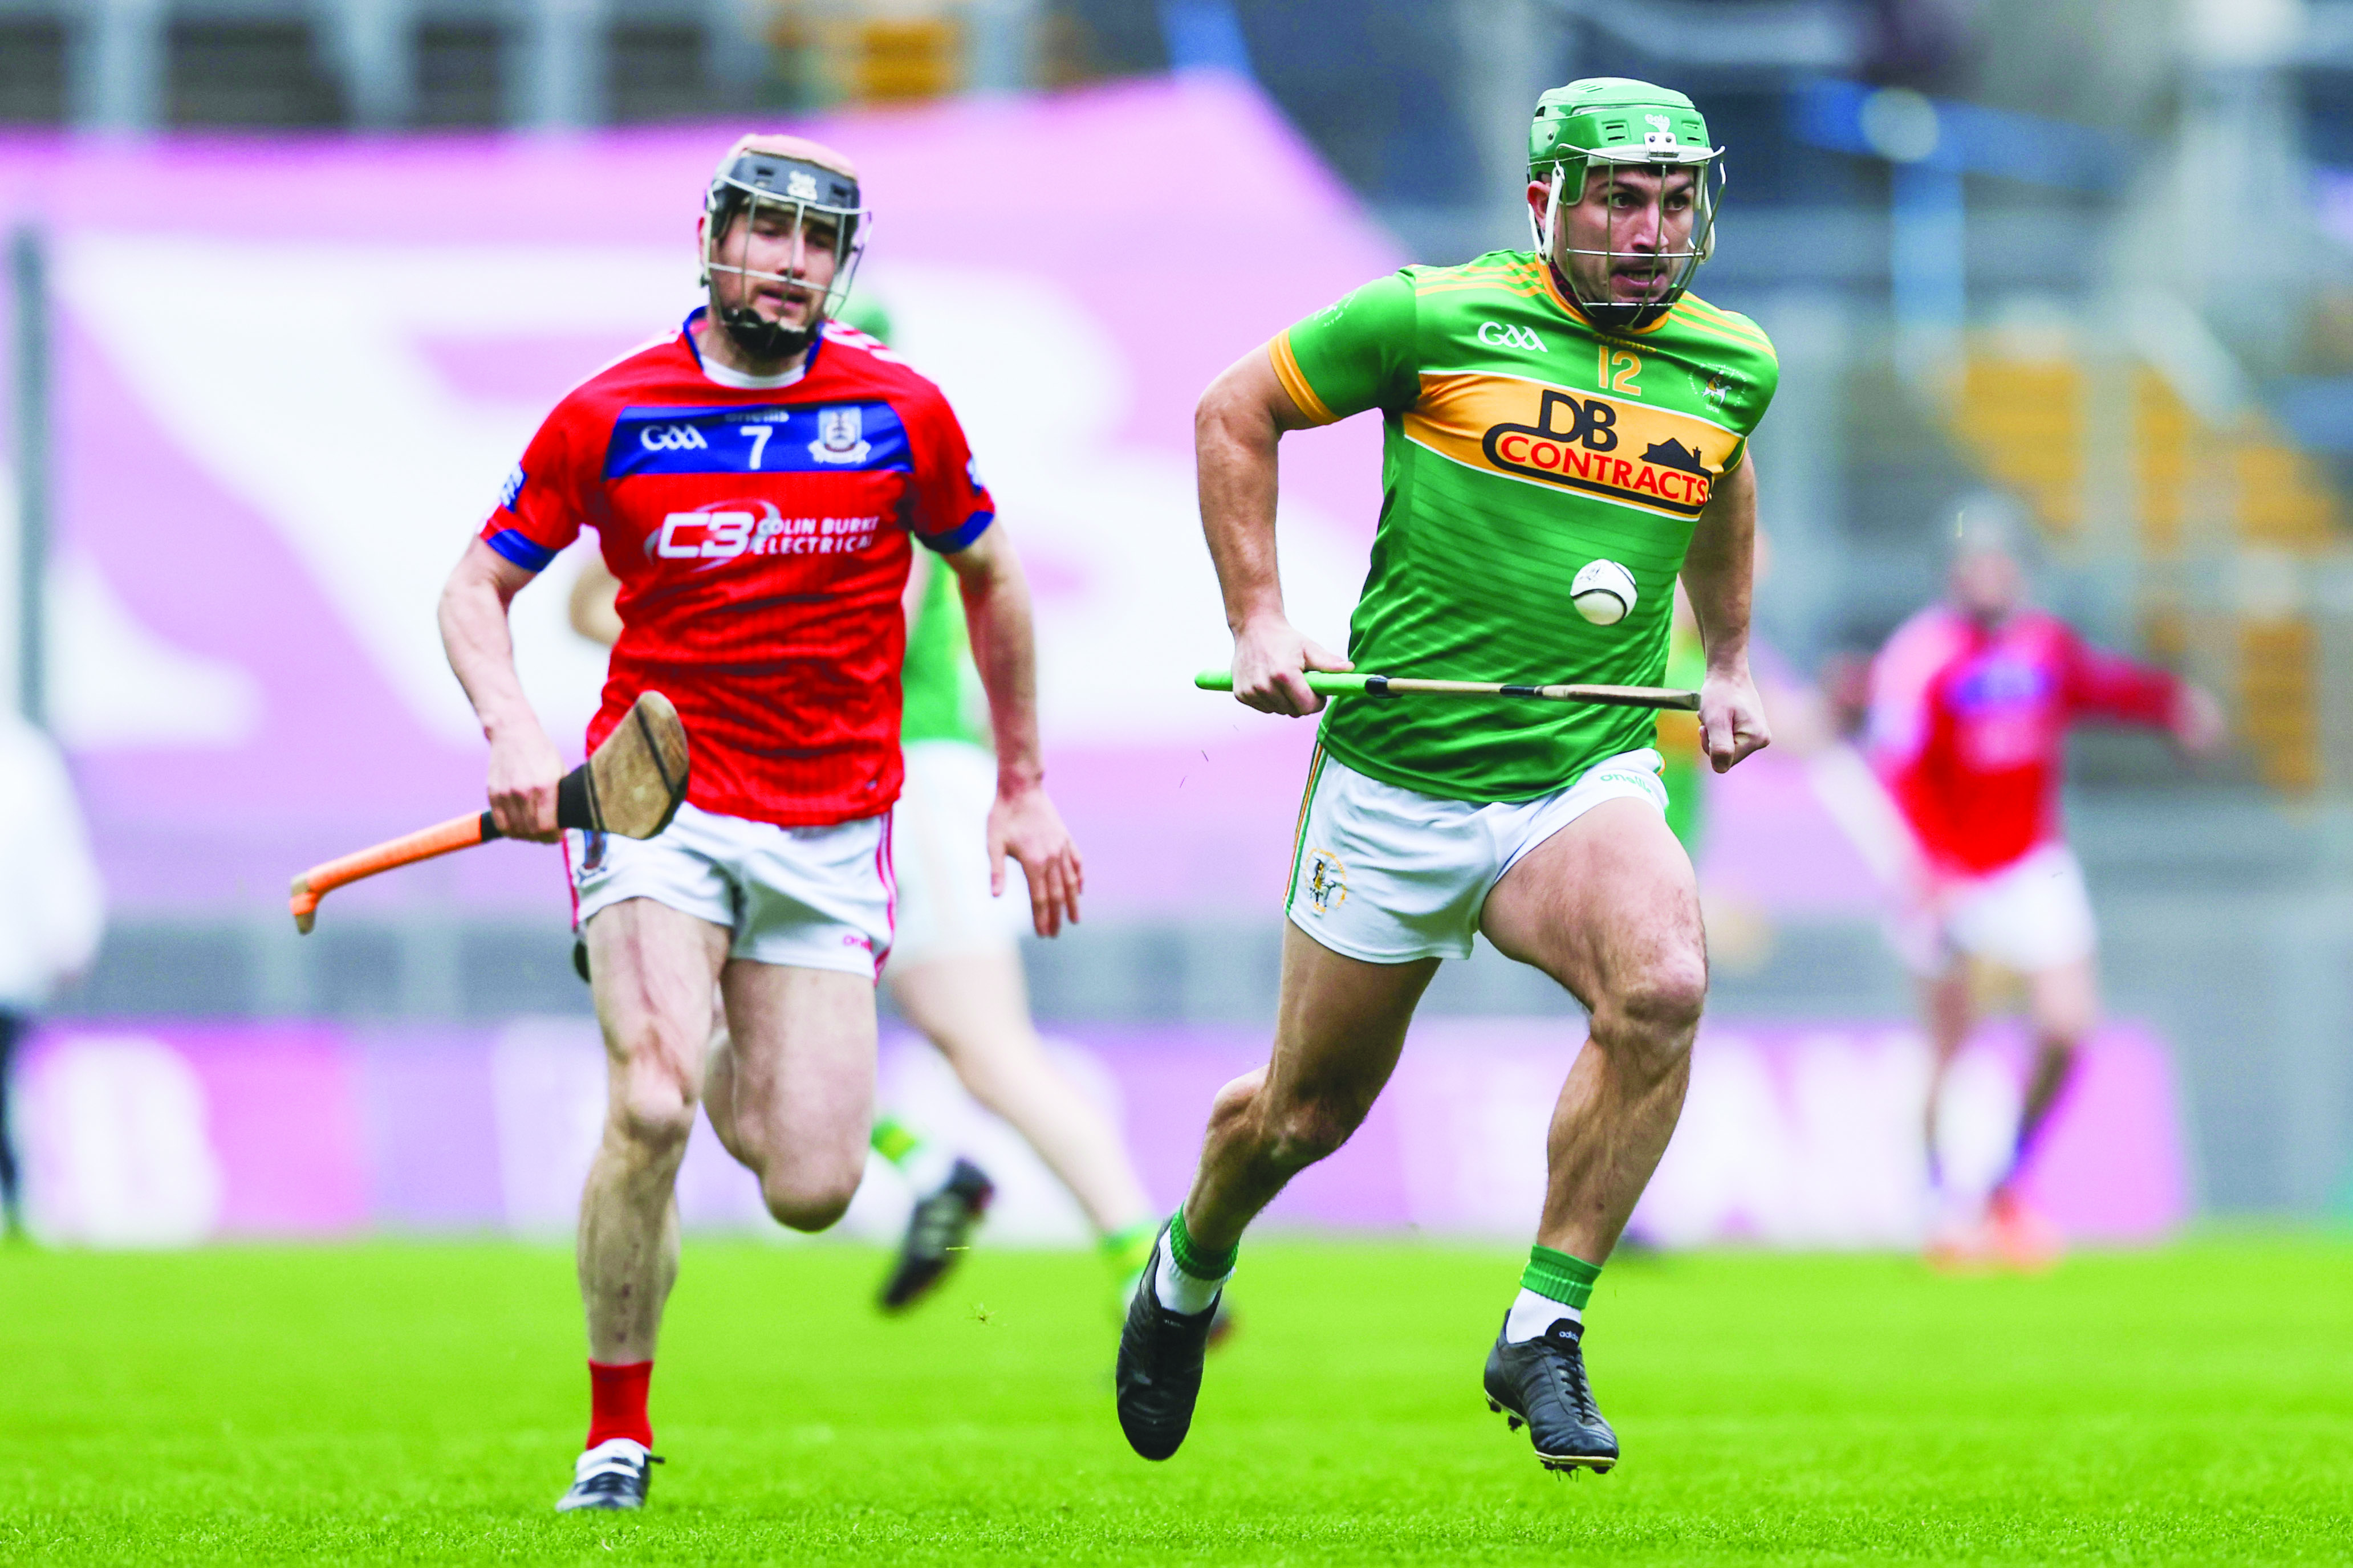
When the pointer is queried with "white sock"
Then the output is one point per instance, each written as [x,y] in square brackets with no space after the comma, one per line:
[1179,1291]
[1532,1314]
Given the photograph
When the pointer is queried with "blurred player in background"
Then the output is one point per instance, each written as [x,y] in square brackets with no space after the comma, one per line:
[956,974]
[1547,414]
[1971,702]
[754,479]
[954,971]
[52,908]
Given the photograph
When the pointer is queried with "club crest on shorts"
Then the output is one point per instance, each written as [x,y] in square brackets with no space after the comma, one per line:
[592,853]
[1327,881]
[841,436]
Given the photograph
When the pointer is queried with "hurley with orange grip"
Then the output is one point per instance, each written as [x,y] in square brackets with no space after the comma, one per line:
[632,786]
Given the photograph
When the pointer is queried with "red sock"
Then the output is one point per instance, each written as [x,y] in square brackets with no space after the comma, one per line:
[616,1402]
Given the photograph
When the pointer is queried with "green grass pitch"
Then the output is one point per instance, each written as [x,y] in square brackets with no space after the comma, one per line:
[422,1403]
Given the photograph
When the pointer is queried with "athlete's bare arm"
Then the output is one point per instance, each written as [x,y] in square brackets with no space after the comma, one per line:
[1023,822]
[524,766]
[1719,571]
[1240,419]
[594,605]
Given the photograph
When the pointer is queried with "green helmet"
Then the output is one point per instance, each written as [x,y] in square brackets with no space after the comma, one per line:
[1616,122]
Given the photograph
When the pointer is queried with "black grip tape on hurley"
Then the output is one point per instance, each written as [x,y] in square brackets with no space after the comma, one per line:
[575,804]
[575,801]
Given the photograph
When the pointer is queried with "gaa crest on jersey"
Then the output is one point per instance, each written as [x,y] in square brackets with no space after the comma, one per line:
[510,491]
[1507,335]
[841,436]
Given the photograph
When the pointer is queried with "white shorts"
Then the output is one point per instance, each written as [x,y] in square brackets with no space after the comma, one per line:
[2030,916]
[814,897]
[939,845]
[1386,874]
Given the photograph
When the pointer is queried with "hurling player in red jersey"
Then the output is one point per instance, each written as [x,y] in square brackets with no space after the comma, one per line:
[1970,704]
[757,482]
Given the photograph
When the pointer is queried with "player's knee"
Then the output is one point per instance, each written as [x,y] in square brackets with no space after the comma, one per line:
[810,1200]
[1656,1010]
[653,1117]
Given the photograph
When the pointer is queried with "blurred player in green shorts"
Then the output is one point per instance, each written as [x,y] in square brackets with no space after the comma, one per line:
[956,973]
[954,970]
[1545,411]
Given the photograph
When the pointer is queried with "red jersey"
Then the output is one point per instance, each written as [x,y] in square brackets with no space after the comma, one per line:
[760,531]
[1968,728]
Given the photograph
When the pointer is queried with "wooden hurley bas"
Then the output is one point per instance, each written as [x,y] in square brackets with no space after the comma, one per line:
[1325,684]
[633,785]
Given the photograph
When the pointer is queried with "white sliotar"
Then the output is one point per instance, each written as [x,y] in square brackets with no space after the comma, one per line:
[1603,593]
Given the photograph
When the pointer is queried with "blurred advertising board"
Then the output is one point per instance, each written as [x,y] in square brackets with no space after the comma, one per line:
[1793,1136]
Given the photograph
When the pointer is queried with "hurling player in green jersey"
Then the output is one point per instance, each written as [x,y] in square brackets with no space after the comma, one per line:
[1553,417]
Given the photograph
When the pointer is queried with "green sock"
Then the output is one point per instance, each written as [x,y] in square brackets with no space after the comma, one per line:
[1128,1252]
[1559,1277]
[1192,1259]
[893,1142]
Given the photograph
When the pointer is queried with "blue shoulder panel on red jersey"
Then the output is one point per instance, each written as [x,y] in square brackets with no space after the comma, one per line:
[962,535]
[831,438]
[521,549]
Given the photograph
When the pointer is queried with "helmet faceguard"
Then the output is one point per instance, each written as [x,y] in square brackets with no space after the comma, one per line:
[805,198]
[1606,128]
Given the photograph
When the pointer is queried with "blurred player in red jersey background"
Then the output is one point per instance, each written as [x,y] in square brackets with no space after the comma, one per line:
[754,480]
[1971,702]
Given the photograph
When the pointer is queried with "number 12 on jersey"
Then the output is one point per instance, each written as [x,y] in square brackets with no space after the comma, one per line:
[1619,369]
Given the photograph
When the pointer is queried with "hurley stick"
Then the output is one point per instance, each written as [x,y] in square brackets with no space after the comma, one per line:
[1325,684]
[633,785]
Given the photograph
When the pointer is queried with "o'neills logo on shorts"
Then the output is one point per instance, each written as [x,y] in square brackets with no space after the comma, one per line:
[1621,449]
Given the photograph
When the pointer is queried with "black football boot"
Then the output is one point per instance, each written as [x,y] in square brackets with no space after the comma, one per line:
[936,1234]
[1159,1372]
[1541,1383]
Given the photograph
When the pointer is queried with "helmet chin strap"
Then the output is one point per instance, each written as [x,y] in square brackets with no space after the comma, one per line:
[761,338]
[1546,226]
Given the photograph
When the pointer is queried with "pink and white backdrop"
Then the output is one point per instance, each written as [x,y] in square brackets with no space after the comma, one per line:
[291,374]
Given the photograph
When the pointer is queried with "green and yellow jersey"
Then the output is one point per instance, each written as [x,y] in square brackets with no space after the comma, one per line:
[939,692]
[1521,443]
